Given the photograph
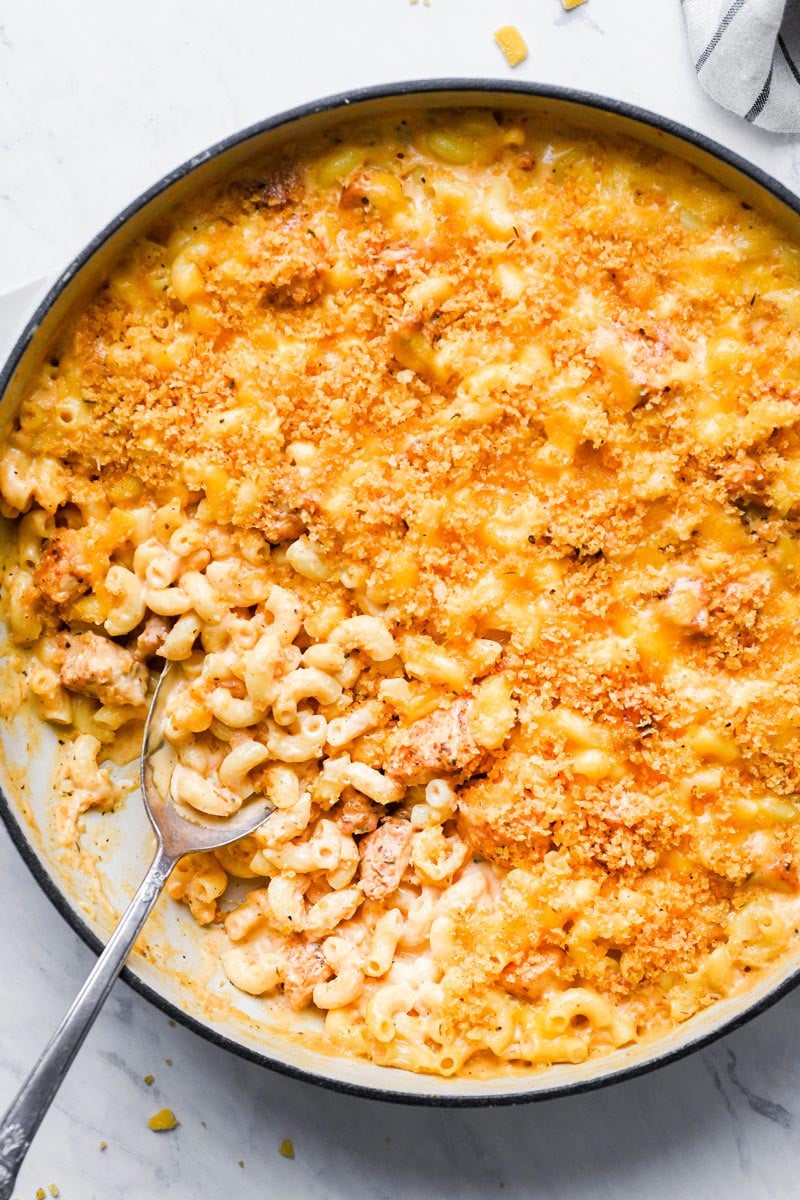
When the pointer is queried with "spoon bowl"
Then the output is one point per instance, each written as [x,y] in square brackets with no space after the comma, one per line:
[180,830]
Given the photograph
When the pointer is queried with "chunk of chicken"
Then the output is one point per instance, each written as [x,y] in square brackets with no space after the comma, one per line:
[504,816]
[304,967]
[154,630]
[441,743]
[533,975]
[62,574]
[278,189]
[355,813]
[99,667]
[385,854]
[280,523]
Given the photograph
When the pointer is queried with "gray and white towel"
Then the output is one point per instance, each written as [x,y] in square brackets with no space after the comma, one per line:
[747,56]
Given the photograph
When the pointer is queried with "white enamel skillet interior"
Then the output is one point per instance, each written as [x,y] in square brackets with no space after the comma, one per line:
[121,845]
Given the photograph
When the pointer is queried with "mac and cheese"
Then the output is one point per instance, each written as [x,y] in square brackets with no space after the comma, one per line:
[457,459]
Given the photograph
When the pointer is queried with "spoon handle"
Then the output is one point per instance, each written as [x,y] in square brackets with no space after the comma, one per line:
[32,1101]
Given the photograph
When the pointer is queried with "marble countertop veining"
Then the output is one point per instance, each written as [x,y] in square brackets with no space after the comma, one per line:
[96,101]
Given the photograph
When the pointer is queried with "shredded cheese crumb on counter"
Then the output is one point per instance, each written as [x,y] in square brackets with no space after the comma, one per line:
[149,1080]
[163,1121]
[512,44]
[286,1148]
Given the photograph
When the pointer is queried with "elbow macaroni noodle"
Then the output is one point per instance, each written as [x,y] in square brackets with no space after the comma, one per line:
[443,479]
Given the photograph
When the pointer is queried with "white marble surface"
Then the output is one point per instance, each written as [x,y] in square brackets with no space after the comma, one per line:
[96,101]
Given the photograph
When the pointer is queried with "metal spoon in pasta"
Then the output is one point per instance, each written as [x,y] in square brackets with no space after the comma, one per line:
[177,833]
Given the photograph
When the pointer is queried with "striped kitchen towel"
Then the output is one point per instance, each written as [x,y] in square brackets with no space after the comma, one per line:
[747,56]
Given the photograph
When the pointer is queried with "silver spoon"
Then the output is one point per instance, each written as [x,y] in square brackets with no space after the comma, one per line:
[176,835]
